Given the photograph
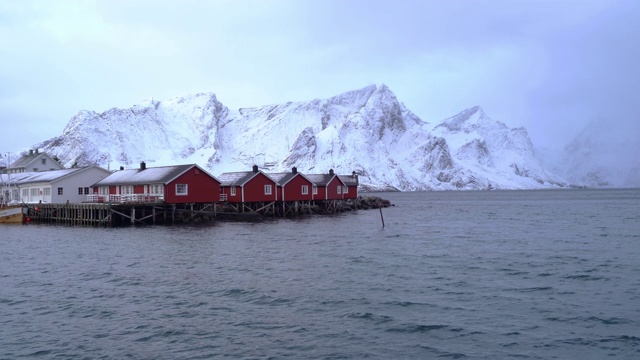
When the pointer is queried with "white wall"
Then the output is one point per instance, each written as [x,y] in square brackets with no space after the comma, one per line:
[70,185]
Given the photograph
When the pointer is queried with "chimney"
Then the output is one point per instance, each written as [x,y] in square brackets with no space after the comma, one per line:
[294,170]
[36,151]
[330,171]
[121,167]
[143,166]
[30,151]
[255,168]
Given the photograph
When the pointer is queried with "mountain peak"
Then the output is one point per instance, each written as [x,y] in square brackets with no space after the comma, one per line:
[466,119]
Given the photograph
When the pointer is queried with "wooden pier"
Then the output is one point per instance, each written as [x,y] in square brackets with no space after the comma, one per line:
[105,214]
[122,214]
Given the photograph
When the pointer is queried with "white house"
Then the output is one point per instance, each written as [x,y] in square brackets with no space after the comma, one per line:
[32,162]
[56,186]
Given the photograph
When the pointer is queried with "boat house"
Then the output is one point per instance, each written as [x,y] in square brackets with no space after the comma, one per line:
[177,184]
[55,186]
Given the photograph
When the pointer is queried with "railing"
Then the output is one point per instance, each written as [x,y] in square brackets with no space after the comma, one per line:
[224,197]
[127,198]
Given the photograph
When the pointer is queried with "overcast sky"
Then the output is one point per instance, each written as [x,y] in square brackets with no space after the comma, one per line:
[550,66]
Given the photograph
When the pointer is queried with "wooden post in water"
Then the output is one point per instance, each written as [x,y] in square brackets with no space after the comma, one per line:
[381,218]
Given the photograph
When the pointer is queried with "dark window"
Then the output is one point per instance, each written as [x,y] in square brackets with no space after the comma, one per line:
[60,192]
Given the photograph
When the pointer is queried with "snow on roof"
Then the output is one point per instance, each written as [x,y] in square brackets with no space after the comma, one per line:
[151,175]
[320,179]
[349,180]
[235,178]
[282,178]
[40,176]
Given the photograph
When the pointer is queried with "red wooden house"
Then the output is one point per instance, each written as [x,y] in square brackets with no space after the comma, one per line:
[350,191]
[293,186]
[328,186]
[178,184]
[248,187]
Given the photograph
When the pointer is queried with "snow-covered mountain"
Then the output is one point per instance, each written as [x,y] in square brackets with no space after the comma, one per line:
[603,154]
[368,131]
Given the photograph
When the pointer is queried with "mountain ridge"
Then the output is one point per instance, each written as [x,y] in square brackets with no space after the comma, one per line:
[366,130]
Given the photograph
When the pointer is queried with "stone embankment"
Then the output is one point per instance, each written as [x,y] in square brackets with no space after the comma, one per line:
[361,203]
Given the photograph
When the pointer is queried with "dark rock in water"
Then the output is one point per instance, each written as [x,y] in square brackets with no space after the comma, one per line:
[372,202]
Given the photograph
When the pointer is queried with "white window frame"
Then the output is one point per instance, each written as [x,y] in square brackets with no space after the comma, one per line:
[345,190]
[156,189]
[180,192]
[268,190]
[126,189]
[339,189]
[315,190]
[47,191]
[305,189]
[233,191]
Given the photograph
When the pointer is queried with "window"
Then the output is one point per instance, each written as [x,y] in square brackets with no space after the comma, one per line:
[47,191]
[233,191]
[315,190]
[182,189]
[305,189]
[267,189]
[44,161]
[79,191]
[60,191]
[345,190]
[103,190]
[25,193]
[156,189]
[126,189]
[86,191]
[34,192]
[339,189]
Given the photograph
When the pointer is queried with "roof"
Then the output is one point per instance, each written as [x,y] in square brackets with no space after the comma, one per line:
[150,175]
[42,176]
[320,179]
[349,180]
[27,159]
[283,178]
[240,178]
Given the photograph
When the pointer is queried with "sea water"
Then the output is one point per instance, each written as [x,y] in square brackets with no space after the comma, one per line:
[479,275]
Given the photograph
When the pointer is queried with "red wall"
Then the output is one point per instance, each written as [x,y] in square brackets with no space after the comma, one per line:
[332,189]
[293,189]
[352,194]
[202,188]
[236,198]
[254,189]
[322,191]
